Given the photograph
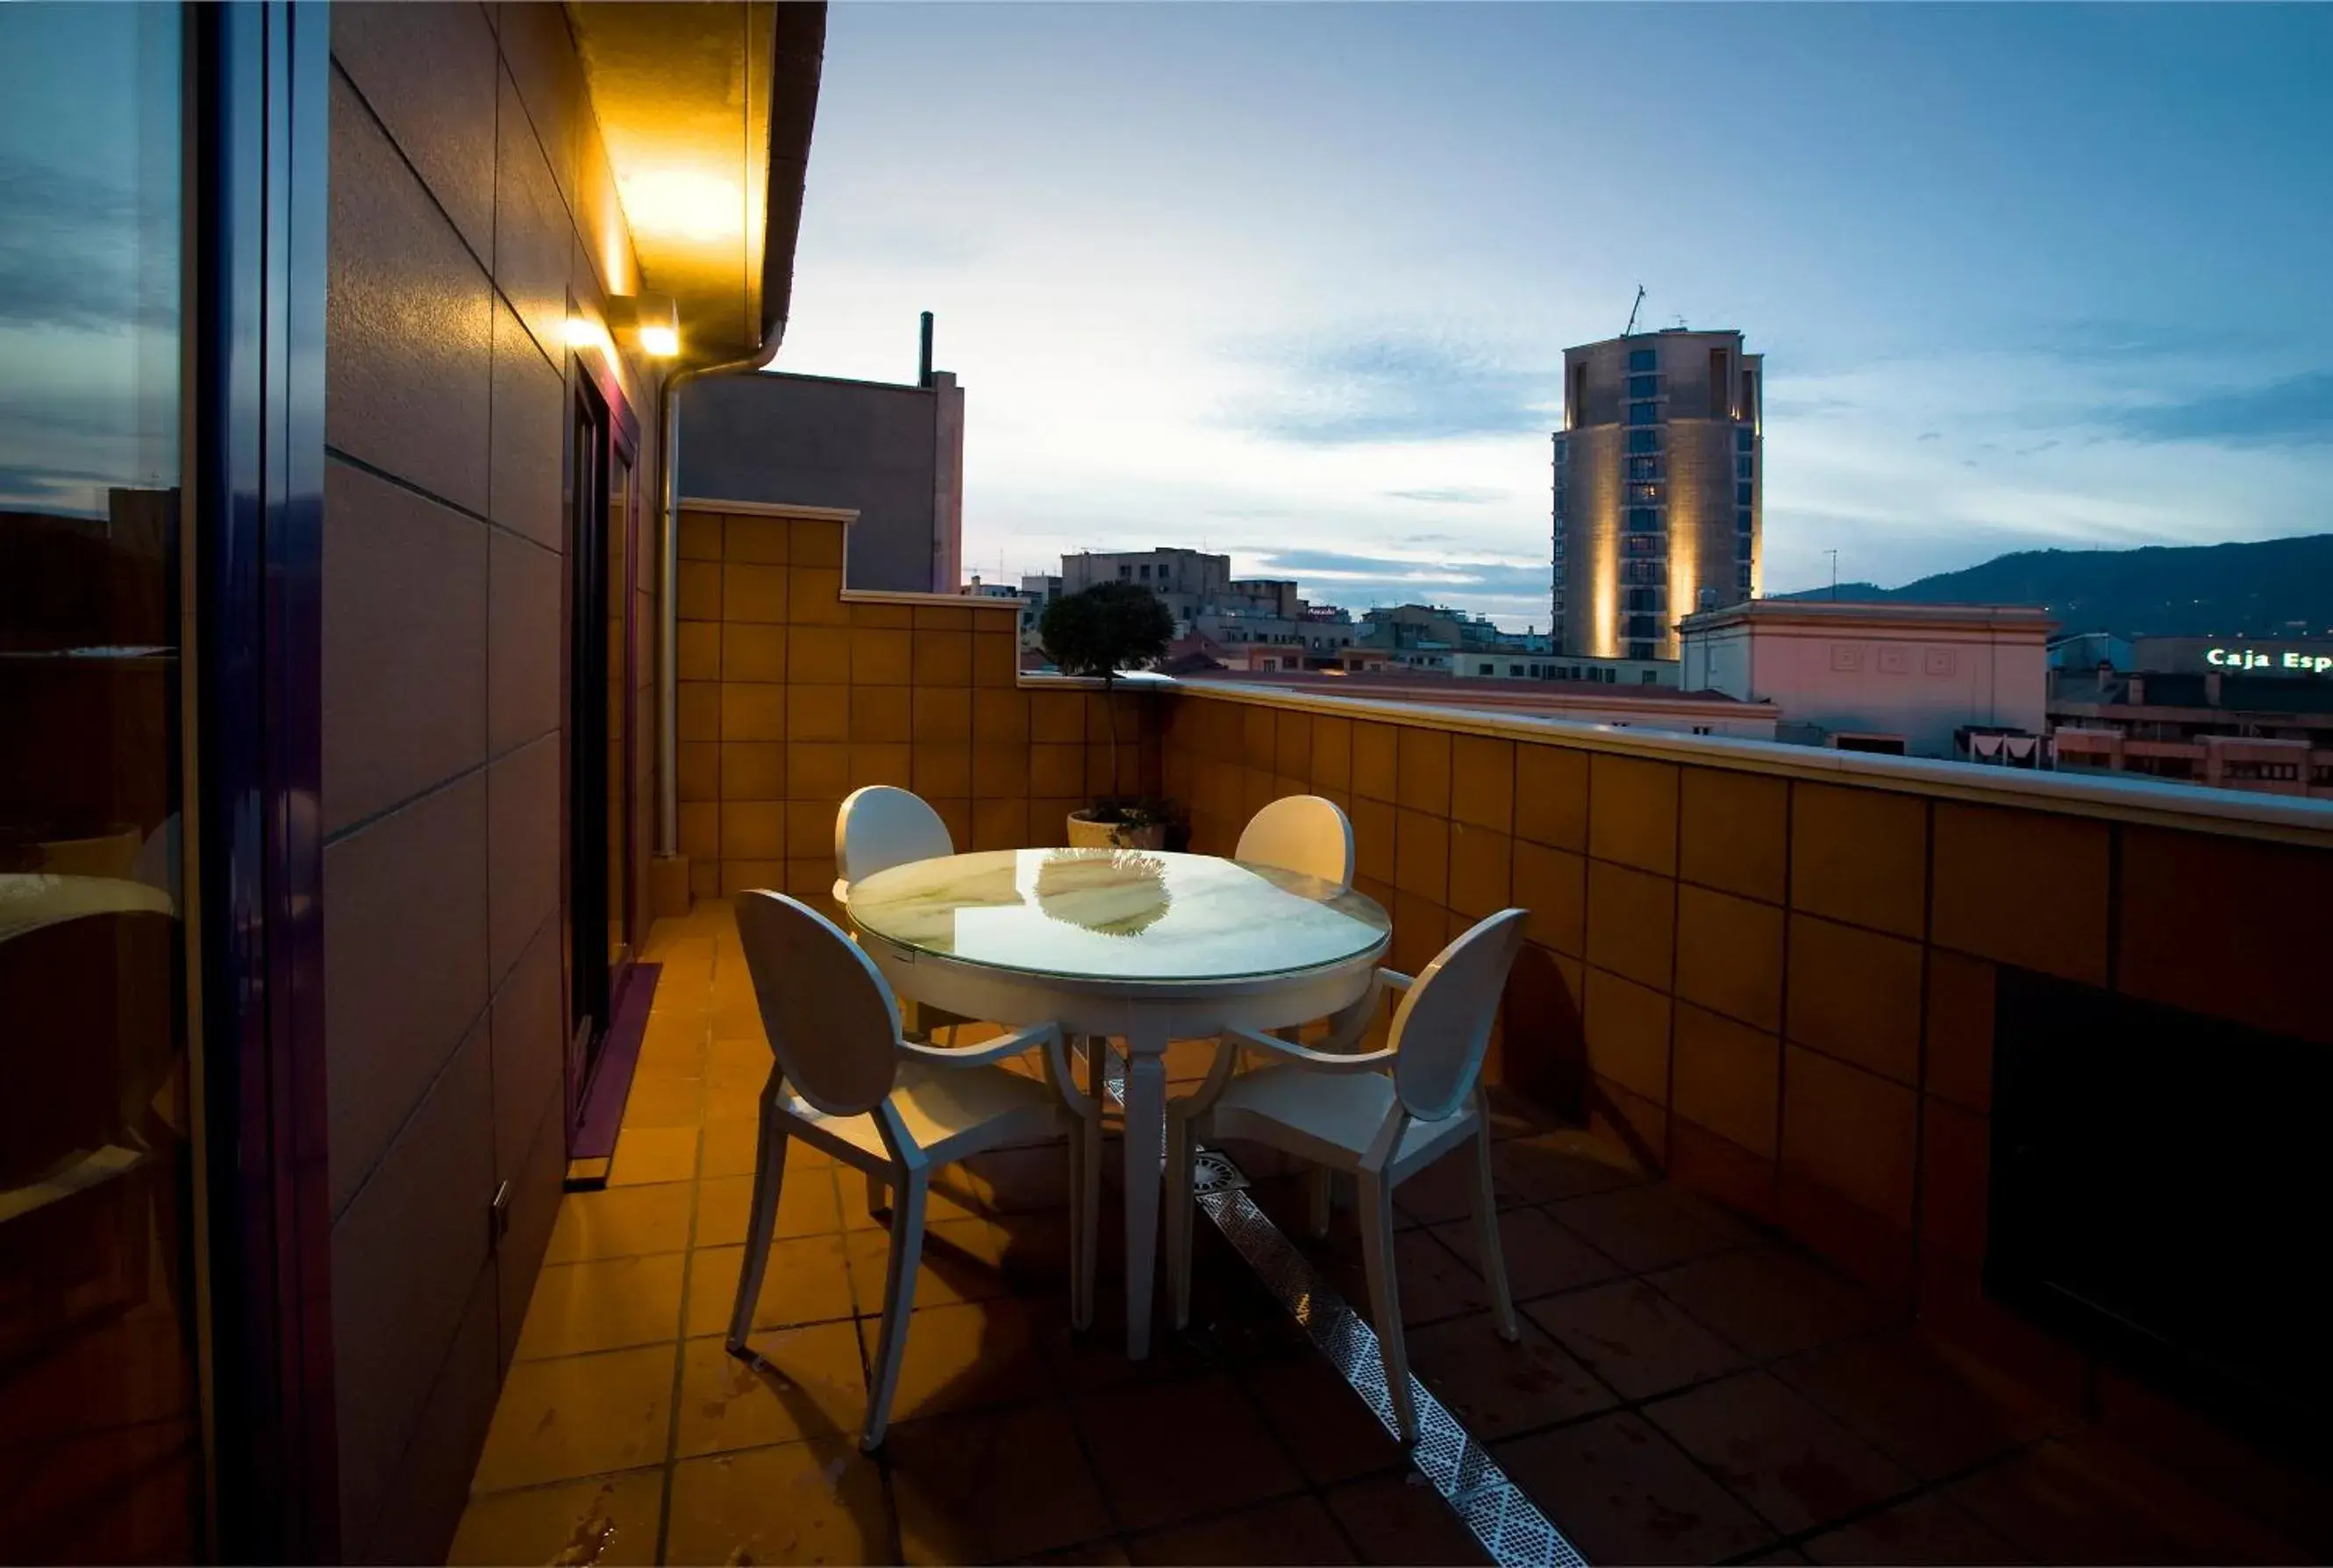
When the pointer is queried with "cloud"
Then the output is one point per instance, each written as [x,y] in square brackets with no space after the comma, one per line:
[1932,436]
[1511,590]
[1786,407]
[1450,495]
[1393,389]
[66,256]
[2296,411]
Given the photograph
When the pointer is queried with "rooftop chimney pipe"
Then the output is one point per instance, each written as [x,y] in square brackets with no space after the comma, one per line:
[923,370]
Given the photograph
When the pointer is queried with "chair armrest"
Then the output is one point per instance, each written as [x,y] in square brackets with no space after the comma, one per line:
[1011,1045]
[1304,1056]
[1347,1026]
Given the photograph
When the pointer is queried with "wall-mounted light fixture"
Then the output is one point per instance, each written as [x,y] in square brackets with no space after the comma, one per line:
[654,320]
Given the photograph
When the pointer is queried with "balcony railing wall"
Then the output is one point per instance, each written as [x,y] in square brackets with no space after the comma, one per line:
[1771,970]
[793,692]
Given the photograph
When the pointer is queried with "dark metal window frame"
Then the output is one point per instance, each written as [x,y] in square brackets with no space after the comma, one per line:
[258,153]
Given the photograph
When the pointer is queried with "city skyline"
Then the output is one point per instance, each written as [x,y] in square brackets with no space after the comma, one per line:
[1295,283]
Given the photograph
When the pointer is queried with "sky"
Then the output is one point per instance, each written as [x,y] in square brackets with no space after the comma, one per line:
[1294,282]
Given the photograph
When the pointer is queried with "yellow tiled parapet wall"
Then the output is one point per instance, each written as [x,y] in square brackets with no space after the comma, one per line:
[793,692]
[1771,968]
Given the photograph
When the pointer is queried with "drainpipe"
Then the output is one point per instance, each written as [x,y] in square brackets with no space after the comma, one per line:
[667,832]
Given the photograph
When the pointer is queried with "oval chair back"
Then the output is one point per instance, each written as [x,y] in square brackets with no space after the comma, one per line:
[880,826]
[1443,1028]
[1300,833]
[832,1022]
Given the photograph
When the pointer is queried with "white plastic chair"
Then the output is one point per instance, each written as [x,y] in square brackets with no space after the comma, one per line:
[879,827]
[1300,833]
[876,827]
[846,1081]
[1344,1113]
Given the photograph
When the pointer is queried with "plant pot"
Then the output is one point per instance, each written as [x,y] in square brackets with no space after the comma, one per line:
[1085,833]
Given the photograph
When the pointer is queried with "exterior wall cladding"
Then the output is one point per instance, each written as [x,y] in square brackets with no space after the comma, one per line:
[1695,498]
[472,209]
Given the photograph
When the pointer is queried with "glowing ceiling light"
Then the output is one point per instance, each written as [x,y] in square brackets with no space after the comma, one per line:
[685,203]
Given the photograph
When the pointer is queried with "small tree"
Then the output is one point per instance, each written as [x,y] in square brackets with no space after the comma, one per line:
[1103,630]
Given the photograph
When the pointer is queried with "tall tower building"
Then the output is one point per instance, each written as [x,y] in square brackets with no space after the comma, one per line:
[1658,485]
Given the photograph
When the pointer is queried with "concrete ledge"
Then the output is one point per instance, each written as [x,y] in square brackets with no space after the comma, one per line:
[2151,802]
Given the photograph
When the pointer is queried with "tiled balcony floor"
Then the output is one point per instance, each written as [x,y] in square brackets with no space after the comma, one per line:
[1686,1390]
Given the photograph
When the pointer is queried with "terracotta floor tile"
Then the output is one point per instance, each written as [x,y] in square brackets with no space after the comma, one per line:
[604,1304]
[1911,1404]
[607,1520]
[1649,1227]
[1107,1552]
[1770,1302]
[646,1154]
[1021,1181]
[1623,1493]
[1443,1190]
[1004,1484]
[1294,1530]
[1569,1164]
[945,1199]
[1094,1361]
[1634,1338]
[1541,1256]
[1796,1466]
[1333,1435]
[735,1064]
[1496,1389]
[1034,1249]
[973,1355]
[963,1260]
[805,1281]
[2054,1507]
[621,1222]
[663,1101]
[812,1502]
[1399,1518]
[806,1207]
[580,1415]
[1175,1450]
[1431,1281]
[803,1382]
[1927,1529]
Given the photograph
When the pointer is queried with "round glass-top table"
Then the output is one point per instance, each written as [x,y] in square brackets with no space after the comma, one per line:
[1144,945]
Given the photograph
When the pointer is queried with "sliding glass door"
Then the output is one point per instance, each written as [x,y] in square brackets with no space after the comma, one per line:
[100,1435]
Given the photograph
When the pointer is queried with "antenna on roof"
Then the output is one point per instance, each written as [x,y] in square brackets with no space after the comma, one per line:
[924,373]
[1629,331]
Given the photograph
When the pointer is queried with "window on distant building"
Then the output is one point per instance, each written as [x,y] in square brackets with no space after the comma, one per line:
[1745,439]
[1145,571]
[1644,386]
[1644,544]
[1640,468]
[1642,520]
[1514,669]
[1644,414]
[1741,521]
[1645,494]
[1644,358]
[1643,627]
[1126,571]
[1741,468]
[1742,576]
[1483,670]
[1645,571]
[1697,729]
[1638,651]
[1741,495]
[1643,441]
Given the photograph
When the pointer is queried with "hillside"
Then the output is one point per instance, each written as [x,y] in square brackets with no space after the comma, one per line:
[2219,589]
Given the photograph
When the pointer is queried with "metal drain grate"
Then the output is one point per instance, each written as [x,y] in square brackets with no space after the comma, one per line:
[1507,1523]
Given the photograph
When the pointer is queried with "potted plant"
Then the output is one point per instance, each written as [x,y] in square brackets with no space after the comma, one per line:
[1100,631]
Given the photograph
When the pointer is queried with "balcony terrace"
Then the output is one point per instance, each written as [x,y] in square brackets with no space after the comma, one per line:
[1745,1087]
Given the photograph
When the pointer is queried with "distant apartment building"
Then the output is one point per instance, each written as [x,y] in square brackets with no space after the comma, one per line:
[1658,482]
[1903,678]
[1188,580]
[892,453]
[2232,713]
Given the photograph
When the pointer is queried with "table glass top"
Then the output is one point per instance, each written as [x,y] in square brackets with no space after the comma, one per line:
[1119,914]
